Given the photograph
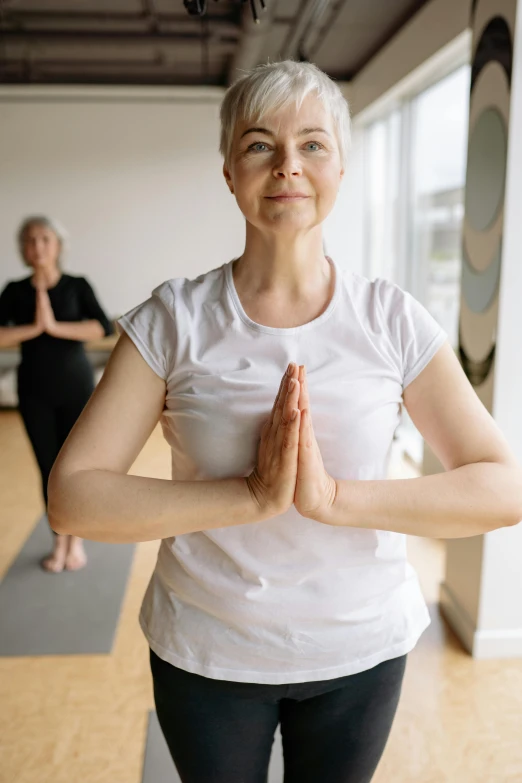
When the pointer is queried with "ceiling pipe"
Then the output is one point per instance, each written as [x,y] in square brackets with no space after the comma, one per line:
[308,18]
[251,47]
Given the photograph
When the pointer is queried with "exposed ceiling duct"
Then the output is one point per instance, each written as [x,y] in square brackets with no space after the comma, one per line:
[158,42]
[252,46]
[307,27]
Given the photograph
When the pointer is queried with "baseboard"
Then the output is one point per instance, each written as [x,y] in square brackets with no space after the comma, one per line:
[480,643]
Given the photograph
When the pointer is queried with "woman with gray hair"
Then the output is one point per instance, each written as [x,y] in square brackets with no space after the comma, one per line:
[282,593]
[50,314]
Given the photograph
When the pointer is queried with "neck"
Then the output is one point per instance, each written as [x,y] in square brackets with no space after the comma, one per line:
[285,263]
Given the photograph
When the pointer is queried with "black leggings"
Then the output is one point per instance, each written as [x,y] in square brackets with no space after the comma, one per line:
[48,424]
[333,731]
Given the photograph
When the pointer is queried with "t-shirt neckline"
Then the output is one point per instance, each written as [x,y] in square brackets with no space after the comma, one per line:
[282,330]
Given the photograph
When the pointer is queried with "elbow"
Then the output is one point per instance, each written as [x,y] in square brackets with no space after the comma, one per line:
[515,515]
[56,519]
[60,521]
[56,523]
[511,518]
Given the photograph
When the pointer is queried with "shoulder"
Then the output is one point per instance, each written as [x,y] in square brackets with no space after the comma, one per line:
[19,282]
[177,303]
[12,287]
[398,325]
[379,300]
[379,292]
[74,281]
[182,292]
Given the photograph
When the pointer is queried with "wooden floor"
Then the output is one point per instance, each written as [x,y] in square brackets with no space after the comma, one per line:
[83,718]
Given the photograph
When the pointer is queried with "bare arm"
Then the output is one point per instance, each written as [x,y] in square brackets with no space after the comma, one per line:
[481,490]
[464,502]
[77,330]
[91,496]
[14,335]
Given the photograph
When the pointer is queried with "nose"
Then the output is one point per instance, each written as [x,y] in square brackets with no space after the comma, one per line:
[287,165]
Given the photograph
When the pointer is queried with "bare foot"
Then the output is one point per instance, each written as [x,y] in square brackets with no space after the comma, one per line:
[55,562]
[76,557]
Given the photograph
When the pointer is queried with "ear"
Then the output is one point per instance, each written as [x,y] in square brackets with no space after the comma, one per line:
[228,178]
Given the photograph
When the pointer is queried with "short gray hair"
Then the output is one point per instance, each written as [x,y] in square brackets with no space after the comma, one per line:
[271,86]
[46,222]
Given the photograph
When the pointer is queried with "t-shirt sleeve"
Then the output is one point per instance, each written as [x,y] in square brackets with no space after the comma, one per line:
[414,335]
[152,329]
[7,306]
[91,308]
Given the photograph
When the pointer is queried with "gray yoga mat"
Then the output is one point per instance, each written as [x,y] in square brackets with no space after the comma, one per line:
[158,766]
[71,613]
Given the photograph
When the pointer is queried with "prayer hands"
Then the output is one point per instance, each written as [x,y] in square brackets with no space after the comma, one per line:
[289,467]
[44,316]
[272,482]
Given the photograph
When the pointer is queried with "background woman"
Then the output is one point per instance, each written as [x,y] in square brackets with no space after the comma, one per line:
[282,592]
[50,314]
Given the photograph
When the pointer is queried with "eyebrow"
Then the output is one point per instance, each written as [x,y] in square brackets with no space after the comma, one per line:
[302,132]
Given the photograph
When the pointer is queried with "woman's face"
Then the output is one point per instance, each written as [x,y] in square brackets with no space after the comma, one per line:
[41,246]
[285,169]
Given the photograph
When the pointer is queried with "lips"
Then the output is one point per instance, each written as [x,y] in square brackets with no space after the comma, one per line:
[287,196]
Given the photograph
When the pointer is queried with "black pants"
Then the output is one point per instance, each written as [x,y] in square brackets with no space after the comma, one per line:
[48,422]
[333,731]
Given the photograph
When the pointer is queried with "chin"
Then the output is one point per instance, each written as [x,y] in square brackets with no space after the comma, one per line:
[290,219]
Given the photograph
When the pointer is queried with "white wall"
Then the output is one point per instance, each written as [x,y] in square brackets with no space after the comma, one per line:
[136,182]
[134,175]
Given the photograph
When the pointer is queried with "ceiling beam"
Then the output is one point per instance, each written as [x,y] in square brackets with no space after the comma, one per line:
[13,17]
[114,36]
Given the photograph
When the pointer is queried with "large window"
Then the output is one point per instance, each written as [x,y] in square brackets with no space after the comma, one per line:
[382,157]
[415,168]
[440,127]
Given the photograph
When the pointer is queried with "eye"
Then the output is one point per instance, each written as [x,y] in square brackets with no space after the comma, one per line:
[315,144]
[255,146]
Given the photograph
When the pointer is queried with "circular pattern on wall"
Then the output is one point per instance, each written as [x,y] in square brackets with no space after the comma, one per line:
[486,178]
[478,372]
[494,44]
[492,57]
[491,88]
[478,331]
[479,289]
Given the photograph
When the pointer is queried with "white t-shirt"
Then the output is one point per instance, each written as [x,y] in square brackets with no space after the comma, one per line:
[288,599]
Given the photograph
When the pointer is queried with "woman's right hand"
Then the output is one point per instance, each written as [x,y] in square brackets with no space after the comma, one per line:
[272,482]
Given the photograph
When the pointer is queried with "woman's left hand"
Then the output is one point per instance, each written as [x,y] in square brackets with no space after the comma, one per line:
[46,311]
[315,489]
